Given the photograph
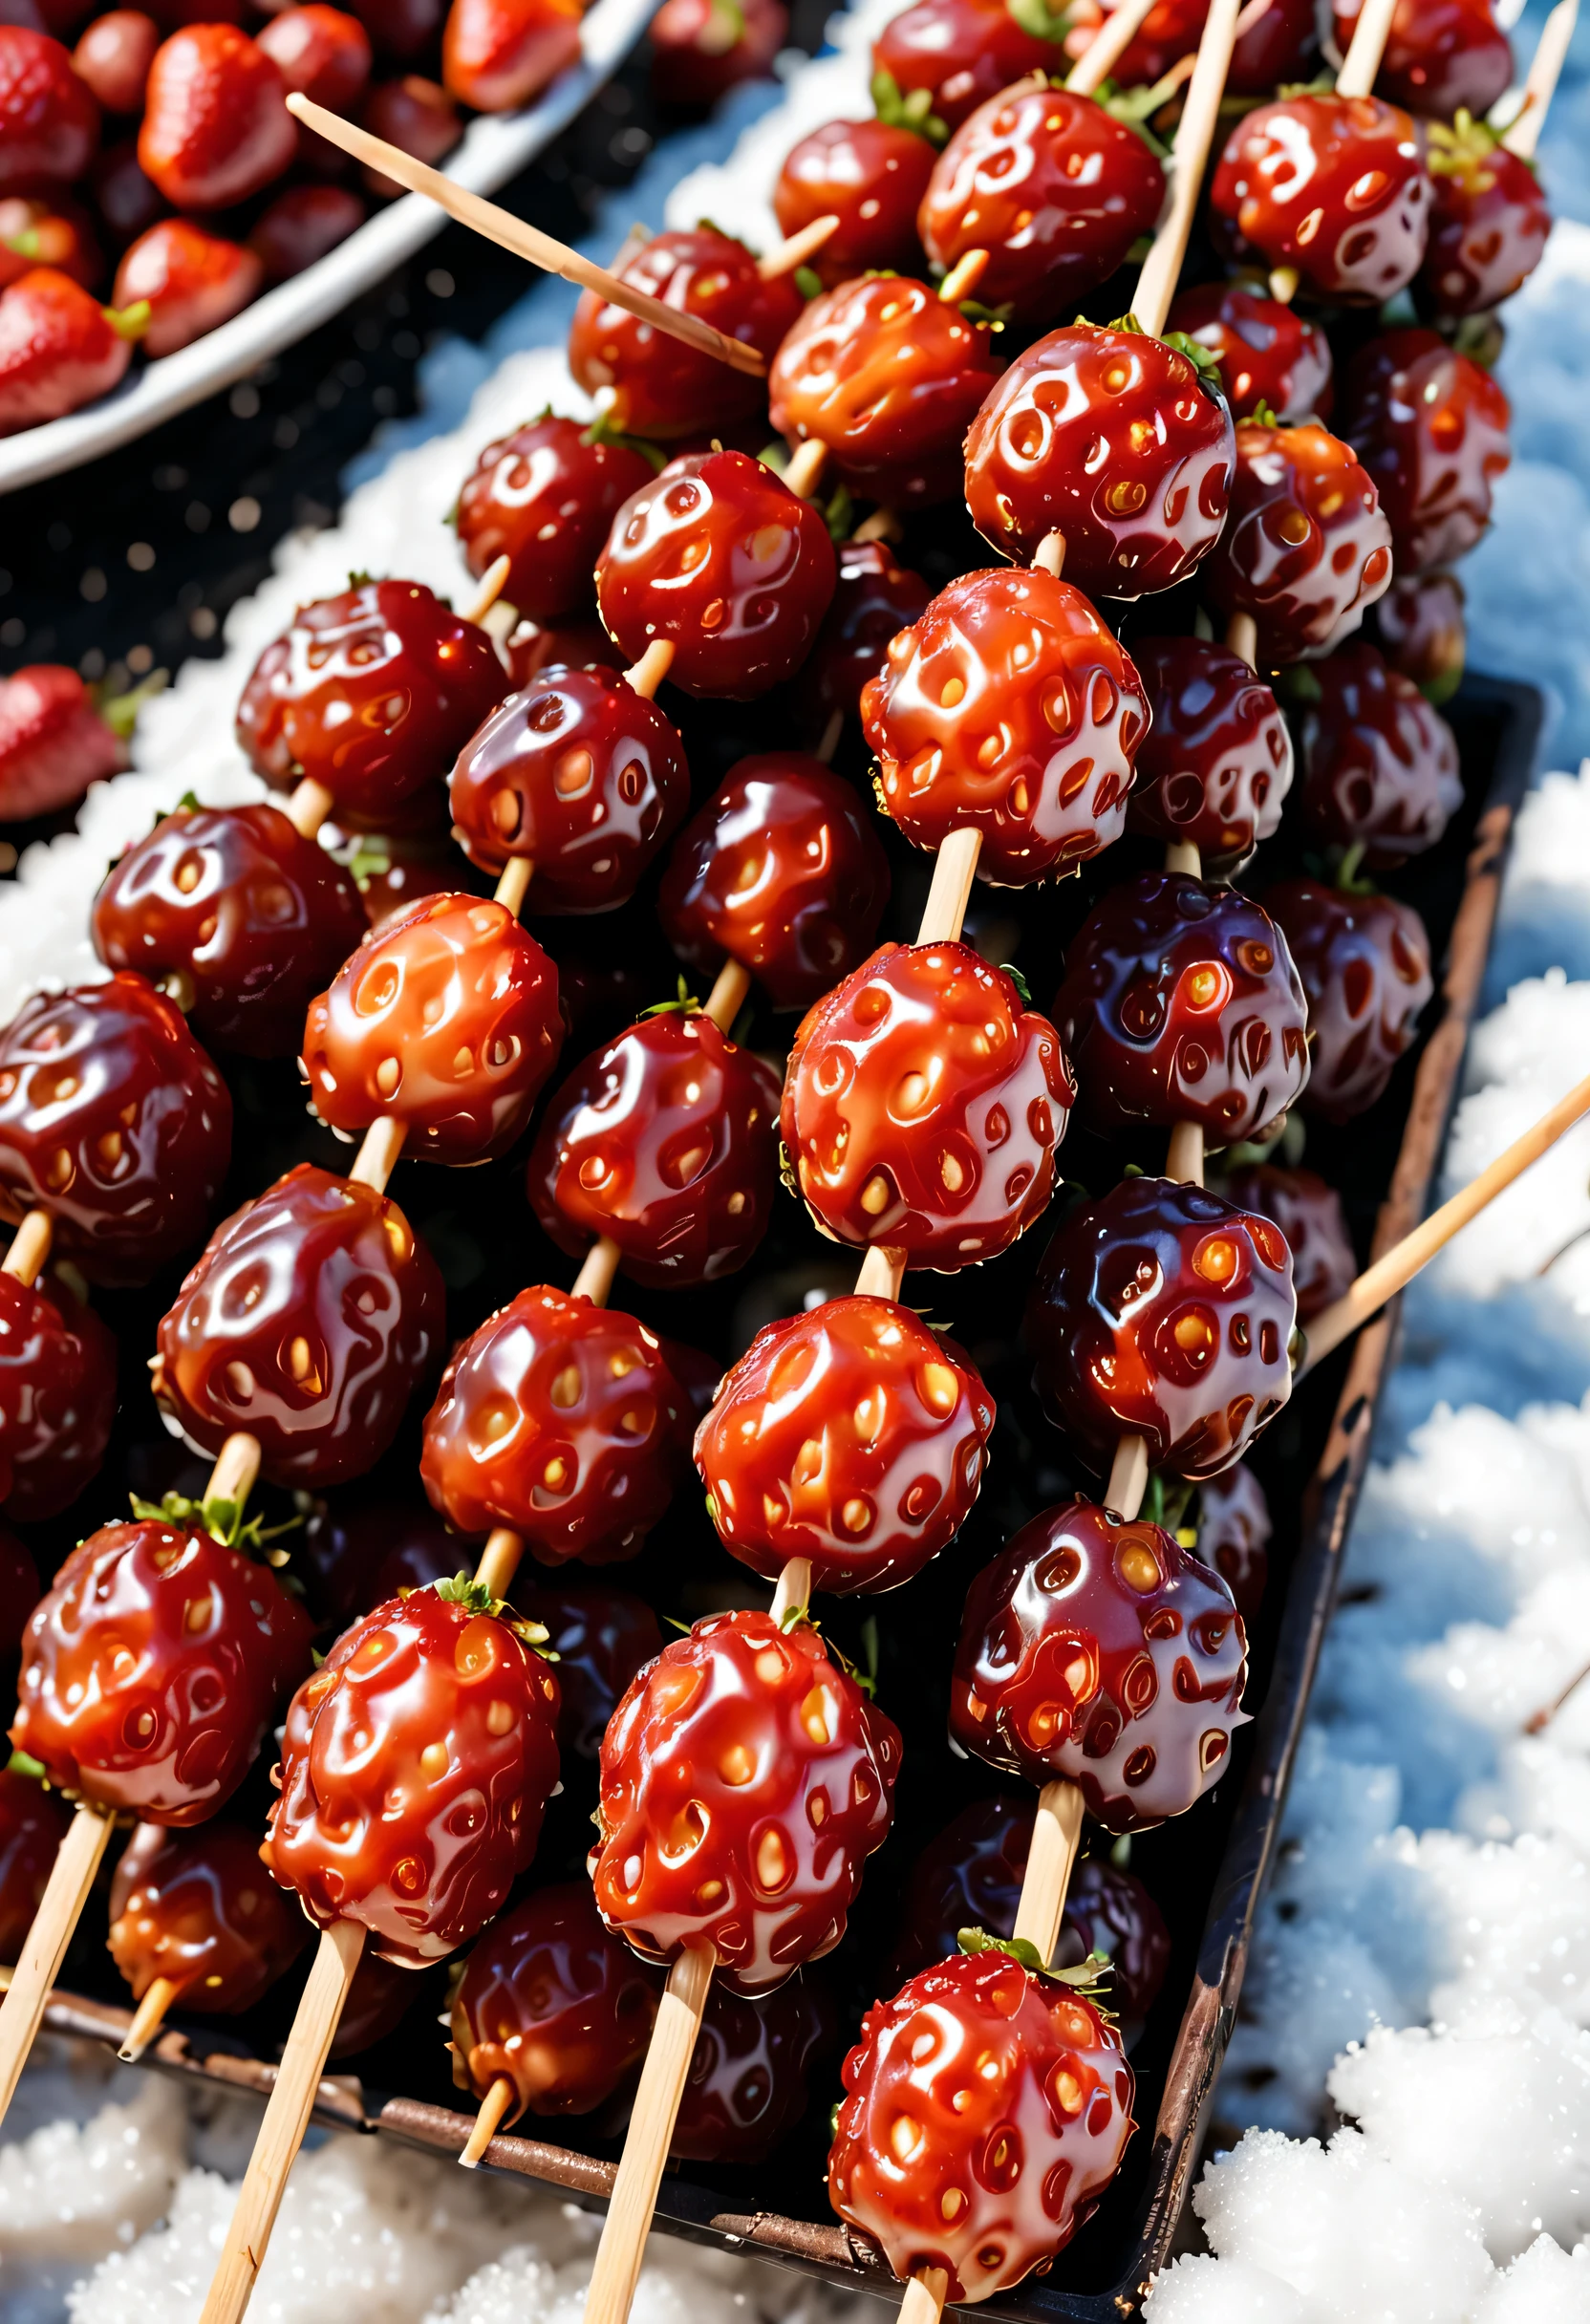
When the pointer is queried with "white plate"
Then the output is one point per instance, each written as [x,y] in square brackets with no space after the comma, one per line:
[493,148]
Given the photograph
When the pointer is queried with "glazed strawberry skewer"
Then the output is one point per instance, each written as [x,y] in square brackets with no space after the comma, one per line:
[1522,134]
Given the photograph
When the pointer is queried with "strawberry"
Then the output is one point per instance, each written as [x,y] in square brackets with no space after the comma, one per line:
[301,226]
[190,280]
[48,122]
[702,49]
[53,743]
[216,127]
[53,232]
[417,116]
[58,348]
[497,55]
[322,51]
[114,57]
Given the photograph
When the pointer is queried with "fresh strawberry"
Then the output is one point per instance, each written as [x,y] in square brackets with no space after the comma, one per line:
[216,127]
[497,55]
[58,232]
[53,743]
[114,57]
[702,49]
[48,122]
[192,280]
[58,348]
[301,225]
[417,116]
[324,52]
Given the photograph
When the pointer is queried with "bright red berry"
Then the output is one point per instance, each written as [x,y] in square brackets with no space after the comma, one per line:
[499,54]
[1307,547]
[191,278]
[658,385]
[868,175]
[114,55]
[198,1909]
[952,55]
[49,121]
[1380,769]
[53,743]
[1365,965]
[1334,187]
[1441,56]
[1489,223]
[545,497]
[1431,426]
[1309,1214]
[1216,763]
[59,348]
[216,127]
[1267,352]
[702,49]
[49,230]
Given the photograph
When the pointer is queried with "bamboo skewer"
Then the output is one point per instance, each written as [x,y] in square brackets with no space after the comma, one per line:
[487,2122]
[1367,47]
[148,2018]
[1108,46]
[1156,285]
[1522,135]
[30,1250]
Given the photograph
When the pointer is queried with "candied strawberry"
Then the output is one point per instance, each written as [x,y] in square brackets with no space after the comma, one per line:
[1102,1650]
[53,743]
[922,1107]
[751,2069]
[415,115]
[1441,56]
[416,1768]
[1307,549]
[562,1421]
[553,2003]
[601,1639]
[1489,221]
[1267,352]
[57,1396]
[1052,187]
[152,1669]
[744,1781]
[1233,1529]
[114,55]
[1180,1003]
[1008,706]
[198,1909]
[952,55]
[191,278]
[1365,965]
[889,378]
[1431,427]
[238,912]
[659,386]
[1216,762]
[445,1021]
[499,54]
[33,1824]
[666,1139]
[543,497]
[849,1435]
[719,557]
[1380,766]
[52,231]
[1334,187]
[1309,1214]
[1279,47]
[59,348]
[49,121]
[870,176]
[986,2110]
[374,693]
[874,597]
[1164,1310]
[216,127]
[782,871]
[702,49]
[309,1319]
[1423,633]
[301,226]
[581,775]
[114,1120]
[1110,438]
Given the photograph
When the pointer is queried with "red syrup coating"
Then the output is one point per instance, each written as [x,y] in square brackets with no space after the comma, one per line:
[961,53]
[1333,186]
[114,1120]
[870,176]
[1267,352]
[152,1669]
[751,2070]
[231,905]
[744,1781]
[310,1319]
[445,1020]
[922,1105]
[199,1909]
[1164,1310]
[1010,706]
[57,1397]
[33,1824]
[1234,1534]
[1365,965]
[1110,438]
[560,1420]
[1489,222]
[666,1139]
[1309,1214]
[1422,632]
[553,2003]
[1380,766]
[416,1768]
[781,870]
[543,497]
[874,596]
[889,377]
[1216,763]
[1441,55]
[580,774]
[373,693]
[851,1435]
[1307,550]
[986,2110]
[656,386]
[1101,1650]
[1430,425]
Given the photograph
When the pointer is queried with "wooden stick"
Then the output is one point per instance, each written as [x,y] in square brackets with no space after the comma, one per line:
[1522,135]
[377,1156]
[1156,285]
[883,525]
[1242,638]
[796,248]
[1182,855]
[963,277]
[1185,1159]
[1050,555]
[493,2107]
[60,1910]
[287,2118]
[148,2018]
[595,1279]
[1129,1475]
[493,581]
[1402,1262]
[1050,1857]
[880,1274]
[656,2105]
[500,1560]
[1362,62]
[309,807]
[807,462]
[1108,46]
[954,868]
[793,1594]
[727,997]
[1540,1720]
[237,1469]
[30,1247]
[525,241]
[646,675]
[513,884]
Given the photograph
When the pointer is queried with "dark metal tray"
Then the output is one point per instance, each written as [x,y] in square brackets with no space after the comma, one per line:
[1206,1871]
